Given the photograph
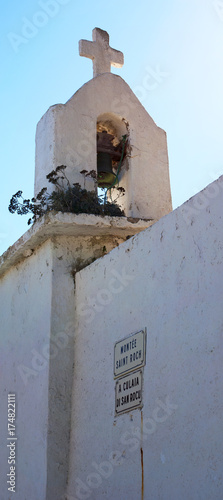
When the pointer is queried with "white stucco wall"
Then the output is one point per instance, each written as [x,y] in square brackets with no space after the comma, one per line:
[25,305]
[168,279]
[37,315]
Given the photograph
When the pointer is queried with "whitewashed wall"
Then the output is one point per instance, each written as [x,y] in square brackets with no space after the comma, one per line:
[168,279]
[37,312]
[25,304]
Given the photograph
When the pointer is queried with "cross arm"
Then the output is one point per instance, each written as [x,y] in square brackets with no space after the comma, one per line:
[117,58]
[86,49]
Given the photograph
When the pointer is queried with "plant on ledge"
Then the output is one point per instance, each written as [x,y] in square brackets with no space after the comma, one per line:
[65,198]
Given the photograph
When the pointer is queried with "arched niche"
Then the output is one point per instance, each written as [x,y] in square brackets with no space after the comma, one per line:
[112,145]
[113,124]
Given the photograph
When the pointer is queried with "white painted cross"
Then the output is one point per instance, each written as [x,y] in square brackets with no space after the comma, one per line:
[100,52]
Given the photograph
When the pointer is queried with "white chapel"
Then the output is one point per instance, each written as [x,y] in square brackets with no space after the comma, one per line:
[111,327]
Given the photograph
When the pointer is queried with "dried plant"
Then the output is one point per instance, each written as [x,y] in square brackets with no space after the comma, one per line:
[65,198]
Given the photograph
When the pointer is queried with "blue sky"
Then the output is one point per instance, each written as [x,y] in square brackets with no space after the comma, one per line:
[173,62]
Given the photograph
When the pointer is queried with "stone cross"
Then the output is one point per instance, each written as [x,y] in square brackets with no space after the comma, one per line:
[100,52]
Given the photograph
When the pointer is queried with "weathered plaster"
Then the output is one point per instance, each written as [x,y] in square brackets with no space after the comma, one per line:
[58,223]
[25,311]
